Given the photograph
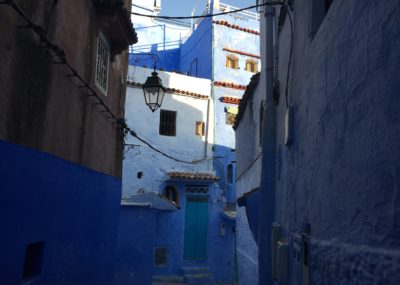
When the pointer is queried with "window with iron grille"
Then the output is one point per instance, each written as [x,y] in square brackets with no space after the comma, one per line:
[167,123]
[102,61]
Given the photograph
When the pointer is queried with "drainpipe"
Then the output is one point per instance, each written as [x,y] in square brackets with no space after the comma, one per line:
[207,128]
[267,194]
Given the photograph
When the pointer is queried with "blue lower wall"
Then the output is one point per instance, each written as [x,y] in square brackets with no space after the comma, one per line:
[72,209]
[134,255]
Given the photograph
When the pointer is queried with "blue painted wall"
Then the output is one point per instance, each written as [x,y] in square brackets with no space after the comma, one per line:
[141,230]
[134,260]
[74,210]
[199,46]
[168,59]
[342,173]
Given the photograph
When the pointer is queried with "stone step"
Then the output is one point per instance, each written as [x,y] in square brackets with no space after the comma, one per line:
[200,279]
[195,270]
[168,280]
[199,275]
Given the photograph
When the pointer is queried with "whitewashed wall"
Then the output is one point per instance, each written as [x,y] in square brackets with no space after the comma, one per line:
[186,145]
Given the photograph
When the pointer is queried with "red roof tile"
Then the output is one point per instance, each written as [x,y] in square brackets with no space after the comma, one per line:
[173,90]
[230,85]
[236,27]
[230,100]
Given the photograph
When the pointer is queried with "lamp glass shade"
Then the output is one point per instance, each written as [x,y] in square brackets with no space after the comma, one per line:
[153,91]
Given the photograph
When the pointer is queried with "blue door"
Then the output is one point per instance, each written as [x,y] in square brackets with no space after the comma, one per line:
[196,221]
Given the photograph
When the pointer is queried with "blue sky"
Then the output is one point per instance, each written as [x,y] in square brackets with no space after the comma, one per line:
[184,7]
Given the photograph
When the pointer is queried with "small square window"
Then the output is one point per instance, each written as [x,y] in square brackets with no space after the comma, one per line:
[232,61]
[230,118]
[33,261]
[251,65]
[200,128]
[102,63]
[167,123]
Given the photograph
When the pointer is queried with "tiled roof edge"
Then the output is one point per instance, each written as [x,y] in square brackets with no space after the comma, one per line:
[174,91]
[236,27]
[229,85]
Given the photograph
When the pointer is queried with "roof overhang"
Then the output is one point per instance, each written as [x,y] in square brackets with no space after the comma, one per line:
[193,176]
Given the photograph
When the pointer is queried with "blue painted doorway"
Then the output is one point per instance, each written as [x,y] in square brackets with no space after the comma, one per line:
[196,220]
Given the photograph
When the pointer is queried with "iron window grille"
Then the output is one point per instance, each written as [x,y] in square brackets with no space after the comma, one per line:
[102,63]
[167,123]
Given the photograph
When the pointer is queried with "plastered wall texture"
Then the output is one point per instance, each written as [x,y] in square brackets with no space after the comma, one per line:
[186,145]
[40,106]
[342,173]
[248,177]
[73,210]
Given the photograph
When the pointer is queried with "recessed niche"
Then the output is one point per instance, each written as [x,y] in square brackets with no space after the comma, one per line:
[160,256]
[33,262]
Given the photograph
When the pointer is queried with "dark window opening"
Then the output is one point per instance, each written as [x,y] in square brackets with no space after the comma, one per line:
[160,256]
[33,261]
[167,123]
[230,173]
[171,194]
[139,175]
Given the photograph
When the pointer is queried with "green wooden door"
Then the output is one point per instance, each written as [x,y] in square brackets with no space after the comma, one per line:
[196,220]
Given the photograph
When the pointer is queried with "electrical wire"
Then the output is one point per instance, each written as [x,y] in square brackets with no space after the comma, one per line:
[61,56]
[208,15]
[249,166]
[133,133]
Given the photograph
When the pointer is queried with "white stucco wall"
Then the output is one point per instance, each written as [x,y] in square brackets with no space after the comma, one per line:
[186,145]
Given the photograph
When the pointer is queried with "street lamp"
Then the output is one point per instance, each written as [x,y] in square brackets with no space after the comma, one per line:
[153,91]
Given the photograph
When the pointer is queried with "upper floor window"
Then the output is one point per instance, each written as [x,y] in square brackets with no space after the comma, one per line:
[232,61]
[102,63]
[167,123]
[200,128]
[251,65]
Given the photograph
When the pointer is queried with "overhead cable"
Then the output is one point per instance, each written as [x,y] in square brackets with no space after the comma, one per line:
[207,15]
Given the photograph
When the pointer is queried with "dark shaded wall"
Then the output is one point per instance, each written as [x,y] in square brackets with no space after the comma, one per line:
[61,157]
[340,179]
[44,109]
[72,209]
